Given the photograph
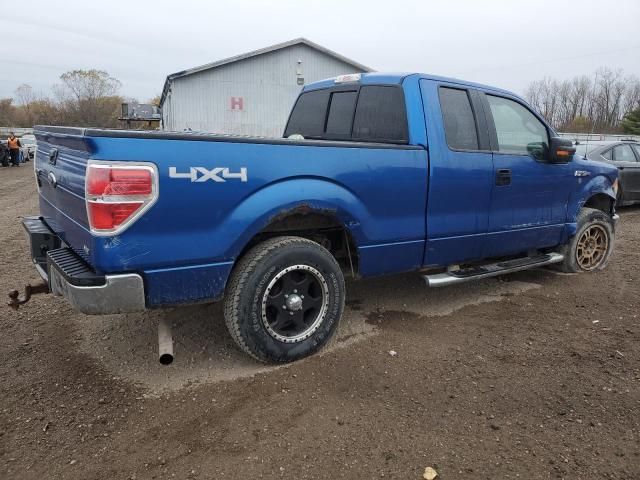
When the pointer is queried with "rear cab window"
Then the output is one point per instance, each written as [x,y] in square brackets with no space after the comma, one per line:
[367,113]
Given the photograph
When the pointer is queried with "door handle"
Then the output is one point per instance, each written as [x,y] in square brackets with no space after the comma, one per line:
[503,177]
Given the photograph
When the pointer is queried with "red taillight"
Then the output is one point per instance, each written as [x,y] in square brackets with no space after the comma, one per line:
[115,194]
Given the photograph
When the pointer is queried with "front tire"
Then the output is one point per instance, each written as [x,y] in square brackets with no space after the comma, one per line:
[284,299]
[590,248]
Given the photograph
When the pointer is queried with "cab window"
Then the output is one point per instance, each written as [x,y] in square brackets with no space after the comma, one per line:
[459,122]
[368,113]
[518,130]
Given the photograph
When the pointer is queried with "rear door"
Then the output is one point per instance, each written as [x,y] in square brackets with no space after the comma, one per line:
[635,182]
[529,197]
[624,158]
[461,173]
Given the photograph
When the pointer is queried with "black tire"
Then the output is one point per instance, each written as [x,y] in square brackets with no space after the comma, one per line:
[575,258]
[252,299]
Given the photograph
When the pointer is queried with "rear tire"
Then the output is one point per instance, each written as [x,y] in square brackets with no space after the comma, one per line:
[590,248]
[284,299]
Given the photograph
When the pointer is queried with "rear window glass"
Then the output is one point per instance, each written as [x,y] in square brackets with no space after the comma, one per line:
[307,117]
[341,113]
[459,123]
[381,115]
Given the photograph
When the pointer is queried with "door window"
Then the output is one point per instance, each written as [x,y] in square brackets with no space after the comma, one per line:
[623,153]
[459,123]
[519,131]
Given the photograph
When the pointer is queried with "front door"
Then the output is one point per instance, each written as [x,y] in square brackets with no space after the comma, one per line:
[529,198]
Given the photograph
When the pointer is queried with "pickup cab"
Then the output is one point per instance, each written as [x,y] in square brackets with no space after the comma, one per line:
[376,174]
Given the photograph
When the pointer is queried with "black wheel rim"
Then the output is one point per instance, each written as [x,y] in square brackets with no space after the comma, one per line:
[294,303]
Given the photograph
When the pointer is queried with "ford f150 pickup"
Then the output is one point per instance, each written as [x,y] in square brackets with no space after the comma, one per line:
[376,174]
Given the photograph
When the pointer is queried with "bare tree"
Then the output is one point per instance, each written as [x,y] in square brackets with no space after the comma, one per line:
[585,104]
[89,97]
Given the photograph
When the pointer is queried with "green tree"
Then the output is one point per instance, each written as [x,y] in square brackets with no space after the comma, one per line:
[631,122]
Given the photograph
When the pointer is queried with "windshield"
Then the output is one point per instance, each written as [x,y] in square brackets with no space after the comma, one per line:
[28,140]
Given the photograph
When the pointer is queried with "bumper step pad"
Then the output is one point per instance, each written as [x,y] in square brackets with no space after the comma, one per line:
[74,270]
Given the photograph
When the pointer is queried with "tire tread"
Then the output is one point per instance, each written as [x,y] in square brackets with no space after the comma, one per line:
[240,275]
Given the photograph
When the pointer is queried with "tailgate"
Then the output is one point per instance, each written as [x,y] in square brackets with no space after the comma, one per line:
[60,166]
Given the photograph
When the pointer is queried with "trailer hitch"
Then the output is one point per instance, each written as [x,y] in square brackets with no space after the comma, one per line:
[14,296]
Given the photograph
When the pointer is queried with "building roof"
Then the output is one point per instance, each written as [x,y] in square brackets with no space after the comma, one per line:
[255,53]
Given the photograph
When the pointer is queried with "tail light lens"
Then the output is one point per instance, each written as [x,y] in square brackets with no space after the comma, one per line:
[117,194]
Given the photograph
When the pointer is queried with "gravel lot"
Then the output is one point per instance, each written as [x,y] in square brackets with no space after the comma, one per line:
[534,375]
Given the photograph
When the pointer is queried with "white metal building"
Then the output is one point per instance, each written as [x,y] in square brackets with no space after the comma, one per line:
[250,94]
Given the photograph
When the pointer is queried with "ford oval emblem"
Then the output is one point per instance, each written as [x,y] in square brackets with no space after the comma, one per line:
[52,180]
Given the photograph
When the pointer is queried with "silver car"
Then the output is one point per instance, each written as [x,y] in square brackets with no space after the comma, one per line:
[625,155]
[28,142]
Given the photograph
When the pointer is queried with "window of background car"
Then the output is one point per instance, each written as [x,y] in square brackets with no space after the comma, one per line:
[623,153]
[340,116]
[381,115]
[307,117]
[608,154]
[519,131]
[459,123]
[637,150]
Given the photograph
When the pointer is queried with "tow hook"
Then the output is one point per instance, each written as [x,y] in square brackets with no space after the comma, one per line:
[14,296]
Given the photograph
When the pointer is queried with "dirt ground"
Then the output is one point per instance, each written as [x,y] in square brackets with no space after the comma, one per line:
[535,375]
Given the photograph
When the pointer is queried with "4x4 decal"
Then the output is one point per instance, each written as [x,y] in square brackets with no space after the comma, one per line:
[201,174]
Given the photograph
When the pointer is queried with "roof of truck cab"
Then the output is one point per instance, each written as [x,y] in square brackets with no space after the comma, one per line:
[396,78]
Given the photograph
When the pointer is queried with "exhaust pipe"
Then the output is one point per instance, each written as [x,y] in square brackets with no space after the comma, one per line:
[165,342]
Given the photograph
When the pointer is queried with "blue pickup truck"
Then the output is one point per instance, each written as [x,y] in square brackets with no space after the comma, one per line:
[376,174]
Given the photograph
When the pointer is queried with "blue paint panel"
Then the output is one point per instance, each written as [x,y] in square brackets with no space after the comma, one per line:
[186,284]
[459,191]
[390,258]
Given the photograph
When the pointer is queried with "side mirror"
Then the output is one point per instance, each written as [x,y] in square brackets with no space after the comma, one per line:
[561,150]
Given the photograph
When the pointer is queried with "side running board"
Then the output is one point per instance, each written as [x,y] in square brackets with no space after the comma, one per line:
[491,270]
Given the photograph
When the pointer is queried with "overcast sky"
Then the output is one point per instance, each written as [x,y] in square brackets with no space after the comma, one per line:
[504,43]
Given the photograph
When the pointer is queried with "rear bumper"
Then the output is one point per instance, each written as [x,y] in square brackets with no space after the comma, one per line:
[71,277]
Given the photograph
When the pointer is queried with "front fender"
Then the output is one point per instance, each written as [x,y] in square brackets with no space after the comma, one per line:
[600,184]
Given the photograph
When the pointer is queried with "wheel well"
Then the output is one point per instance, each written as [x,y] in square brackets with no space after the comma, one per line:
[601,201]
[322,227]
